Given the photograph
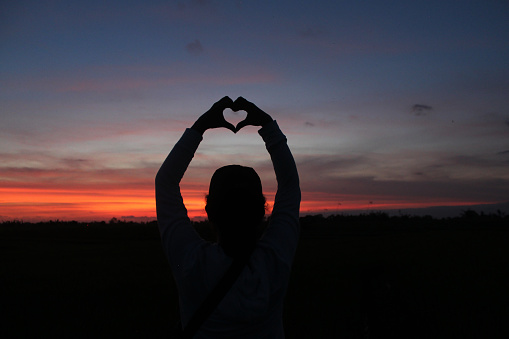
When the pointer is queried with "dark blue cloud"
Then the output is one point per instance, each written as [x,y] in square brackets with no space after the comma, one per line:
[419,110]
[195,47]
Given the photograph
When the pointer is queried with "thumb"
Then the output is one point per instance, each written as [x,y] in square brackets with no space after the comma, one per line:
[241,125]
[229,126]
[239,104]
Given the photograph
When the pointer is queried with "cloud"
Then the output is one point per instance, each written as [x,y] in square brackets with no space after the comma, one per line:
[482,190]
[311,33]
[195,47]
[421,110]
[125,81]
[456,178]
[503,152]
[49,171]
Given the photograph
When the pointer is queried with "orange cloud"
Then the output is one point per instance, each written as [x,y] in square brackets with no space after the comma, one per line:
[80,191]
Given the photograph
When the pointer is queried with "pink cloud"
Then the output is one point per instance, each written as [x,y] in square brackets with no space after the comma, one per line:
[105,79]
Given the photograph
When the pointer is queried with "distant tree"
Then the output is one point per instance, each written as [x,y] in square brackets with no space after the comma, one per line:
[469,214]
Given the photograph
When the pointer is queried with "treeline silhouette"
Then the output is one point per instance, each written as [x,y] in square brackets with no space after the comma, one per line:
[381,221]
[316,224]
[355,276]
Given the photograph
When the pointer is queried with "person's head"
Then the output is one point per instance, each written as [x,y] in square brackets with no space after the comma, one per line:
[235,206]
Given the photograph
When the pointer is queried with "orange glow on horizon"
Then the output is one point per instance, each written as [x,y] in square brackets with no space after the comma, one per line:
[39,204]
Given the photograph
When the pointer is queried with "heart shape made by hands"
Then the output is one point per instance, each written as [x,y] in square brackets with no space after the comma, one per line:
[234,117]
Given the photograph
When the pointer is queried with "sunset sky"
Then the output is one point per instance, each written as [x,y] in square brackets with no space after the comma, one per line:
[386,104]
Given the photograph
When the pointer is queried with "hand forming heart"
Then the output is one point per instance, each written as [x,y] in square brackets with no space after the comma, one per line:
[255,116]
[214,117]
[234,117]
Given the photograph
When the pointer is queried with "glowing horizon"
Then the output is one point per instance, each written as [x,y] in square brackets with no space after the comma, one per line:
[34,205]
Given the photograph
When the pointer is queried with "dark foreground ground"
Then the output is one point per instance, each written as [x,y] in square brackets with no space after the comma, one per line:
[354,277]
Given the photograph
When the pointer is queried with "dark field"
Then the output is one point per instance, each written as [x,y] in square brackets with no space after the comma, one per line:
[368,276]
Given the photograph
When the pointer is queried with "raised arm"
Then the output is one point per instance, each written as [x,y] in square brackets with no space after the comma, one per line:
[283,231]
[174,225]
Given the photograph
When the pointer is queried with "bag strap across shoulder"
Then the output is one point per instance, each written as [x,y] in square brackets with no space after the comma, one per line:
[215,296]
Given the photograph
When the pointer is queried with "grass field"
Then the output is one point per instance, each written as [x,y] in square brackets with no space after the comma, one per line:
[354,277]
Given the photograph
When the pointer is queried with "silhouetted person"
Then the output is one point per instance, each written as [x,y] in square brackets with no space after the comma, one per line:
[235,206]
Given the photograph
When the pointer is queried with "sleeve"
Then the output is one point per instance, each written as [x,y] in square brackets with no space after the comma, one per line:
[177,234]
[282,234]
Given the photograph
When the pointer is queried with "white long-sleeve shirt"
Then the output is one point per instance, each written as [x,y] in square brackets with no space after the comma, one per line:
[253,307]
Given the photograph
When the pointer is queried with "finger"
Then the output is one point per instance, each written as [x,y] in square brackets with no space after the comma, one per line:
[239,104]
[241,125]
[231,127]
[221,104]
[225,102]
